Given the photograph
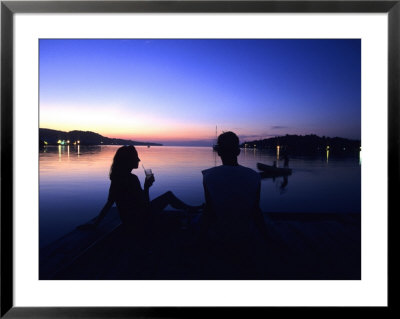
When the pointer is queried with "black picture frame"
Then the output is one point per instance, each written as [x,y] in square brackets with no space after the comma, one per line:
[9,8]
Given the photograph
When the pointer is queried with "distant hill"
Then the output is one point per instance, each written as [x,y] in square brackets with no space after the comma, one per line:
[52,137]
[298,144]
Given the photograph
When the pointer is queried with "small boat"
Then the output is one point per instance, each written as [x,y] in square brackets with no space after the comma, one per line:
[273,171]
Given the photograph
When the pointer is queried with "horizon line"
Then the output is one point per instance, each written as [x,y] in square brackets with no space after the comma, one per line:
[244,138]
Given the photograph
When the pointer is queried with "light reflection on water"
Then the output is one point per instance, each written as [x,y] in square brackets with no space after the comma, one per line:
[74,181]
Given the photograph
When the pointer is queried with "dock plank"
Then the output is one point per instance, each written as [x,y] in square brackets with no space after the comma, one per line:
[62,252]
[303,246]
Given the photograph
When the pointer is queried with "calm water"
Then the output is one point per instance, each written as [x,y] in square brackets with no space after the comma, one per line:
[74,182]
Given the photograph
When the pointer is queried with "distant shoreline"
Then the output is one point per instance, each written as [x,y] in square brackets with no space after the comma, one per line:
[162,145]
[289,144]
[55,137]
[305,144]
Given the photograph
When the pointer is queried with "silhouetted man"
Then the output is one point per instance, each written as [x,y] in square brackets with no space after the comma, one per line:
[232,193]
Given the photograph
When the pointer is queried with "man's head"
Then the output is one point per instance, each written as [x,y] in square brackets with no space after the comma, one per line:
[228,145]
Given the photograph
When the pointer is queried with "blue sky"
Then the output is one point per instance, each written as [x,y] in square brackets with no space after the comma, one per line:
[177,91]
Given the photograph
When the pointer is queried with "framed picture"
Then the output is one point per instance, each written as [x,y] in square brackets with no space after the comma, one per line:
[260,141]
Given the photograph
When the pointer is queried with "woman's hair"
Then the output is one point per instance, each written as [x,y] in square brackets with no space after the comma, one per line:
[122,161]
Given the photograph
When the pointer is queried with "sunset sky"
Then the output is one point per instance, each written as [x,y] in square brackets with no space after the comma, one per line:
[178,91]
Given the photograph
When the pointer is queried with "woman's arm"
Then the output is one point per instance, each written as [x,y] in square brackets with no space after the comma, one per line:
[106,208]
[138,196]
[147,184]
[103,212]
[96,221]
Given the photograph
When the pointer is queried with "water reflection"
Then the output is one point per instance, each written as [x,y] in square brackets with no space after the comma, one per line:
[282,181]
[277,153]
[284,184]
[215,158]
[68,150]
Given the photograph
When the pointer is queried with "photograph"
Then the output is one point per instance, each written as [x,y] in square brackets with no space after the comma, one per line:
[199,159]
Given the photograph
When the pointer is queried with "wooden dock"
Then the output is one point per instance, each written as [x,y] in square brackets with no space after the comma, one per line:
[60,254]
[302,246]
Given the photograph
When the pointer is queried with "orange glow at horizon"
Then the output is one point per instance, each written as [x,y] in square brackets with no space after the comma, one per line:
[147,135]
[117,122]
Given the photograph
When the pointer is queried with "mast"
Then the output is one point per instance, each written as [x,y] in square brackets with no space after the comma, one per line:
[216,139]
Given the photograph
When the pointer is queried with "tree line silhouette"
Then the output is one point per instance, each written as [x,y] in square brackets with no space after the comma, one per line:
[305,144]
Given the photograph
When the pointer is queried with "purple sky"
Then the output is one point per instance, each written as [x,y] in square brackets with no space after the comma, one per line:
[178,91]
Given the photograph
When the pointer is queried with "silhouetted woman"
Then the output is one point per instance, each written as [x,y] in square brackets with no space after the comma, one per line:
[136,211]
